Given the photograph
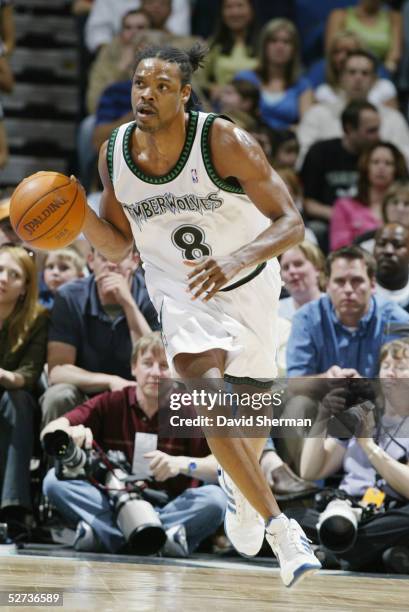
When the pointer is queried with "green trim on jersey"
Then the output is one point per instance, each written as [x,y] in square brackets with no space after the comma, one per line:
[176,170]
[110,153]
[225,184]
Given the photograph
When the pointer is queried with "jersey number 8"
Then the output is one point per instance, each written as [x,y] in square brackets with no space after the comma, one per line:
[190,239]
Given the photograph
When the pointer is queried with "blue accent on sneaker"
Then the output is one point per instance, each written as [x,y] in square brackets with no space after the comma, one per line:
[301,571]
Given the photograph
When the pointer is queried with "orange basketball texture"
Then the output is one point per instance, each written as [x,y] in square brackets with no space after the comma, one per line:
[47,210]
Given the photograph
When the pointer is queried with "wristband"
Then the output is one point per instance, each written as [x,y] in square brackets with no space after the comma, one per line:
[192,467]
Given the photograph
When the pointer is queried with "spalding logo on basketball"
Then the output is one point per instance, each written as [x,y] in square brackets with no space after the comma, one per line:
[47,210]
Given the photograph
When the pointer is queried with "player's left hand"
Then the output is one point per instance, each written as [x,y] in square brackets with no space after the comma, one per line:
[164,466]
[210,274]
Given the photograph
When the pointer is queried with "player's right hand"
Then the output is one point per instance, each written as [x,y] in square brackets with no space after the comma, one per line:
[82,436]
[209,274]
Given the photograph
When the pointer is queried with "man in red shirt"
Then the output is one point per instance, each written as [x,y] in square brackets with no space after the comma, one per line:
[178,464]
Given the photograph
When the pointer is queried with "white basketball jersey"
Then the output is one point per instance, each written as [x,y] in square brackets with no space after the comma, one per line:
[189,213]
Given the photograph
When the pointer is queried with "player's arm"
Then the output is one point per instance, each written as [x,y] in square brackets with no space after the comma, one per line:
[110,233]
[237,154]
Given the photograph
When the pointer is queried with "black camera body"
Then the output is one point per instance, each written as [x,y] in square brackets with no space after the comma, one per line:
[132,501]
[360,396]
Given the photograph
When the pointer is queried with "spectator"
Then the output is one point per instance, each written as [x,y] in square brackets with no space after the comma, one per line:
[379,29]
[392,256]
[302,270]
[395,206]
[310,19]
[7,28]
[383,90]
[94,322]
[284,149]
[60,267]
[403,77]
[115,60]
[395,209]
[240,100]
[6,75]
[105,17]
[340,335]
[7,234]
[113,419]
[6,84]
[158,12]
[376,457]
[285,95]
[330,168]
[23,338]
[293,185]
[322,121]
[233,46]
[81,7]
[379,167]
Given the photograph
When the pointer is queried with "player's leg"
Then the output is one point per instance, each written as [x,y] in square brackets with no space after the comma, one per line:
[239,458]
[236,455]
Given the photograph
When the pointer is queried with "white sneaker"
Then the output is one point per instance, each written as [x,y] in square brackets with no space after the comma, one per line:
[243,525]
[292,549]
[86,539]
[176,543]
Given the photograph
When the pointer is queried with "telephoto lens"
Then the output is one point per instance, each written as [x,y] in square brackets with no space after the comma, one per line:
[136,518]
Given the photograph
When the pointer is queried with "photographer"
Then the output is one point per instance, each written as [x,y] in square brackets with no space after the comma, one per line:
[375,465]
[112,420]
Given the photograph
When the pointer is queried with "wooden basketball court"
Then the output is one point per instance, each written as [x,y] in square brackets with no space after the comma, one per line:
[160,585]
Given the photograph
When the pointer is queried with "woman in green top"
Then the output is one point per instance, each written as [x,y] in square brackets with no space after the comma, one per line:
[23,341]
[378,28]
[233,46]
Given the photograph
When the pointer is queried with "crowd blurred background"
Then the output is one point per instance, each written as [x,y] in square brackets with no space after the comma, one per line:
[323,86]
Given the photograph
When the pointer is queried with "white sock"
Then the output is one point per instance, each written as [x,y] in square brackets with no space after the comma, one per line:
[270,522]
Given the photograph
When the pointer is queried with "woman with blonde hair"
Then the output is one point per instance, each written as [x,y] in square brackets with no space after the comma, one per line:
[285,94]
[23,340]
[379,29]
[302,270]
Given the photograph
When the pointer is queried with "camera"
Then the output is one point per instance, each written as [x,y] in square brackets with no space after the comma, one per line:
[338,525]
[135,515]
[71,461]
[132,500]
[339,518]
[360,396]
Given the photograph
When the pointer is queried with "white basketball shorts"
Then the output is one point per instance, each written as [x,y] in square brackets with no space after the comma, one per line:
[243,321]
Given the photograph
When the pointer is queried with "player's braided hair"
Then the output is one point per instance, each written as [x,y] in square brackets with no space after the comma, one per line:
[188,61]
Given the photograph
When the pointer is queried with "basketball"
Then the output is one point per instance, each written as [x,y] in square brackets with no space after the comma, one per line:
[47,210]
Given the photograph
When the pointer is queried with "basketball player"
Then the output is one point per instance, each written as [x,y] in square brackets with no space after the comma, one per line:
[209,216]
